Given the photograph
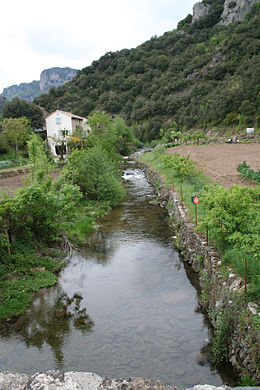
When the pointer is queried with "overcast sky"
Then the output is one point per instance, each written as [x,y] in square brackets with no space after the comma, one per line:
[37,35]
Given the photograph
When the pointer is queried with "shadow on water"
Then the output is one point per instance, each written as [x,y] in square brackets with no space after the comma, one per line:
[126,306]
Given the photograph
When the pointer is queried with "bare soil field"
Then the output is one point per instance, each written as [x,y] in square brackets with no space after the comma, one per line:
[12,183]
[219,162]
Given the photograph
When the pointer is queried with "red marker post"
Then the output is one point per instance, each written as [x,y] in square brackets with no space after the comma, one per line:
[196,201]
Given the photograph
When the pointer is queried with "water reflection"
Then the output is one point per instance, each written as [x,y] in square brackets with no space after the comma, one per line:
[49,320]
[124,307]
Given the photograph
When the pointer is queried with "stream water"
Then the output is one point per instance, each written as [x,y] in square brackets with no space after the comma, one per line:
[134,312]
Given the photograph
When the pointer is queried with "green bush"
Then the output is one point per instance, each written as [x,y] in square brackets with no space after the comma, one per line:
[238,209]
[96,175]
[247,173]
[37,212]
[178,166]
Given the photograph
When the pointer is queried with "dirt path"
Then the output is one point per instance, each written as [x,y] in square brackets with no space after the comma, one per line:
[220,161]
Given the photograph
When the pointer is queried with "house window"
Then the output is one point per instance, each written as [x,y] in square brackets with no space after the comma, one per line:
[58,121]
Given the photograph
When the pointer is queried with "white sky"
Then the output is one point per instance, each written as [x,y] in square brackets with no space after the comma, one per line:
[37,35]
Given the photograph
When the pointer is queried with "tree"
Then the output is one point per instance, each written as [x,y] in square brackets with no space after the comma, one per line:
[39,158]
[99,123]
[17,131]
[124,142]
[18,108]
[197,135]
[95,174]
[102,134]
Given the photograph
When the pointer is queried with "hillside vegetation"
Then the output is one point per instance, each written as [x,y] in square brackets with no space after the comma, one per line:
[201,74]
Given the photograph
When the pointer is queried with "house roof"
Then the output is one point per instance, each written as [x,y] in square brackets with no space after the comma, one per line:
[68,114]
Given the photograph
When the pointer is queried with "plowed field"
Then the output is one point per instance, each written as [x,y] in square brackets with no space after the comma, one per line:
[14,182]
[219,162]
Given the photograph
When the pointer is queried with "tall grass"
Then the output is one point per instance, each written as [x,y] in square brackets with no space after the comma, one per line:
[236,259]
[189,185]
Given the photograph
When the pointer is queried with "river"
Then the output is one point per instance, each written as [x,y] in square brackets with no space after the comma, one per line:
[135,309]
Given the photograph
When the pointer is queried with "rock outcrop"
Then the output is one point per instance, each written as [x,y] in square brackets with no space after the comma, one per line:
[55,77]
[235,11]
[52,380]
[200,10]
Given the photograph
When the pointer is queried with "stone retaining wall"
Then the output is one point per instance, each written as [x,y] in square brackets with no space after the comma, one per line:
[52,380]
[220,288]
[13,172]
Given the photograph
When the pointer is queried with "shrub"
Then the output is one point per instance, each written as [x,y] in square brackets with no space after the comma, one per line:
[247,173]
[237,208]
[96,175]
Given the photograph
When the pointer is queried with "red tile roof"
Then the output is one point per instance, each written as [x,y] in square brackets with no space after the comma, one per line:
[69,114]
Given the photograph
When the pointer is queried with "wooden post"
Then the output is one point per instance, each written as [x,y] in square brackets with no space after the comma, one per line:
[221,240]
[196,214]
[245,275]
[7,239]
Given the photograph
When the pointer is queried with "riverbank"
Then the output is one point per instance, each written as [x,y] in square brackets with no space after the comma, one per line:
[232,317]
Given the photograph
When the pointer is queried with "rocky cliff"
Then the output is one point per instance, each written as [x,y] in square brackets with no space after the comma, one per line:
[49,78]
[234,10]
[199,10]
[55,77]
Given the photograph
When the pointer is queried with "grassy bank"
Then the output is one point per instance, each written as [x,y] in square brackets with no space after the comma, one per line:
[235,209]
[28,265]
[187,182]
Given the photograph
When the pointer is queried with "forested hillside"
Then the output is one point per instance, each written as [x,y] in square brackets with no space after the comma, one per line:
[201,74]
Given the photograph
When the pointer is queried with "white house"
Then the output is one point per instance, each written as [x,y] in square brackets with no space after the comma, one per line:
[60,125]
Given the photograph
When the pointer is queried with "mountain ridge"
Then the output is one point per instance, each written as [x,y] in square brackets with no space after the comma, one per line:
[49,78]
